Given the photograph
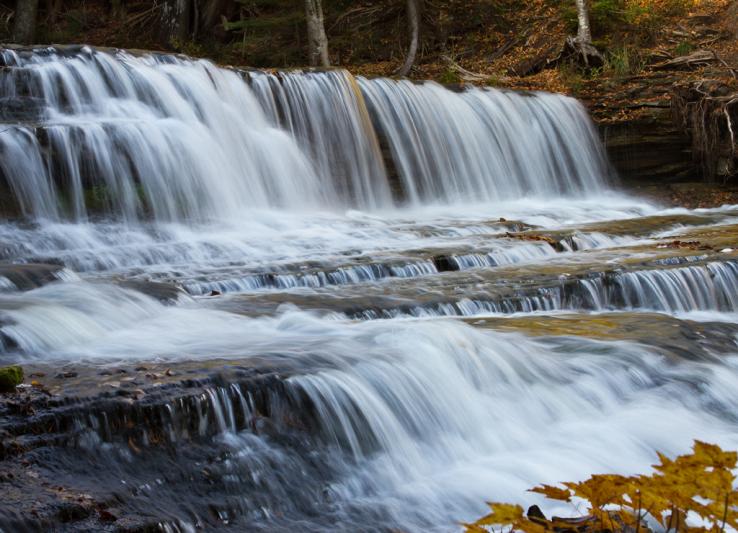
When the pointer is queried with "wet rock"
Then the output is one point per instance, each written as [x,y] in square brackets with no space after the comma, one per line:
[106,516]
[10,378]
[536,515]
[445,263]
[166,293]
[536,237]
[72,512]
[25,109]
[689,245]
[642,139]
[31,276]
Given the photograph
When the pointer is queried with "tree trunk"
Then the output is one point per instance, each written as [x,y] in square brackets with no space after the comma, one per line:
[317,39]
[413,19]
[177,20]
[584,34]
[24,27]
[581,47]
[53,7]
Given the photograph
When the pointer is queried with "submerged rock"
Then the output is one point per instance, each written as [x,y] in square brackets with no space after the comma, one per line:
[166,293]
[29,276]
[10,378]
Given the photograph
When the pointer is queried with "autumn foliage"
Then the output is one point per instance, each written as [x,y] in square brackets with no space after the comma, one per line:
[698,485]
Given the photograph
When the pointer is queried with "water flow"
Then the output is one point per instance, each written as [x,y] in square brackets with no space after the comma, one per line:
[131,136]
[181,140]
[326,113]
[203,177]
[484,143]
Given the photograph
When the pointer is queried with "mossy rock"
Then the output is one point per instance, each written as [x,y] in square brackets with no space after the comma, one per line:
[10,377]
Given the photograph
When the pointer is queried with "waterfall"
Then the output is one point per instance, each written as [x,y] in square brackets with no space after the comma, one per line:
[261,300]
[484,143]
[179,140]
[134,137]
[326,114]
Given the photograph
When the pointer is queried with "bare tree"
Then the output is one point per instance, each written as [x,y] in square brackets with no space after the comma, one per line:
[317,39]
[24,26]
[177,20]
[413,19]
[581,46]
[584,33]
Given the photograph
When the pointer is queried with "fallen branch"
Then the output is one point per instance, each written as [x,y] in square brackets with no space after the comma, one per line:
[464,74]
[697,59]
[502,50]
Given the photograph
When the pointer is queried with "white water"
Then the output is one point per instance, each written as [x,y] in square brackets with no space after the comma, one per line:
[184,140]
[435,417]
[485,144]
[187,141]
[164,169]
[326,114]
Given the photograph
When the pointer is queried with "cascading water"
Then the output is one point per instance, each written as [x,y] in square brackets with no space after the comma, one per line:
[485,144]
[308,301]
[326,114]
[183,140]
[179,139]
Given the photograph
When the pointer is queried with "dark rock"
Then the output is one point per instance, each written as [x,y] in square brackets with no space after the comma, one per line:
[650,147]
[30,276]
[164,292]
[106,516]
[536,515]
[21,109]
[445,263]
[72,512]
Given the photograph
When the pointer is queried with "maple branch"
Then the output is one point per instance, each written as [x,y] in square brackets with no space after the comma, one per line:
[725,514]
[671,517]
[638,514]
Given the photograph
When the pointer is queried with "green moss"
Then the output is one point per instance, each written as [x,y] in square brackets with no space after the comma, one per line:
[449,77]
[683,48]
[97,198]
[10,377]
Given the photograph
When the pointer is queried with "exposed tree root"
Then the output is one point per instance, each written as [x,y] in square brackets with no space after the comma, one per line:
[708,110]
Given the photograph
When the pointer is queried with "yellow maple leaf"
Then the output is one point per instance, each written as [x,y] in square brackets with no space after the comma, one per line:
[553,493]
[504,513]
